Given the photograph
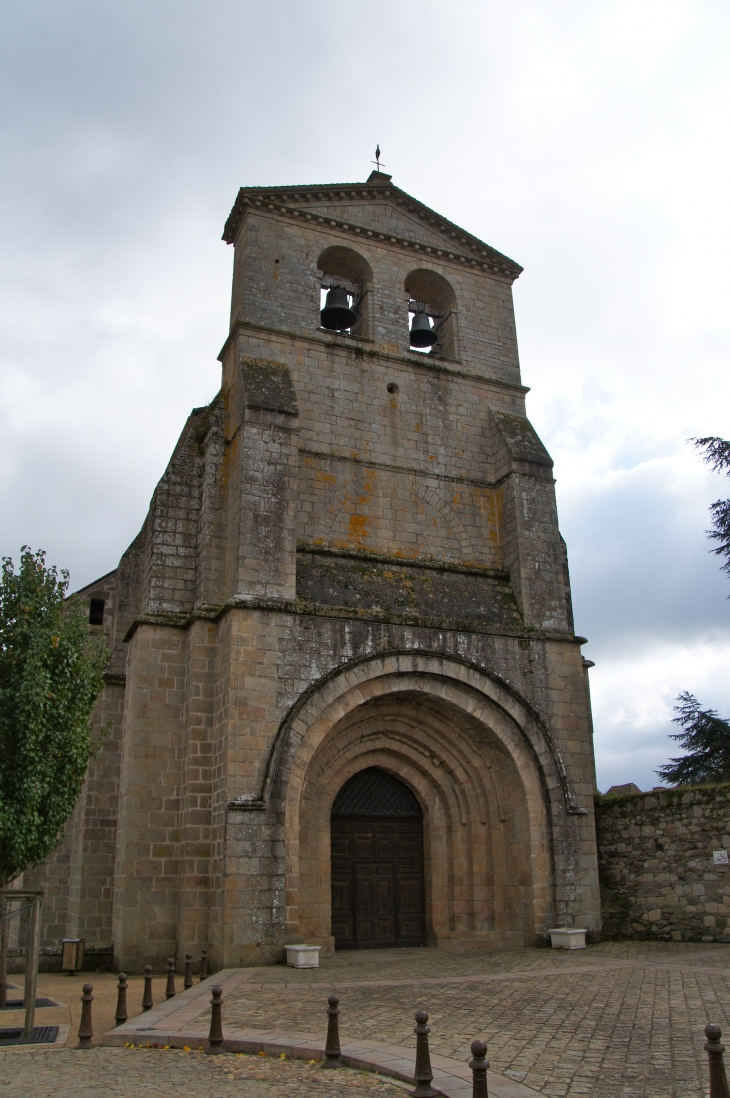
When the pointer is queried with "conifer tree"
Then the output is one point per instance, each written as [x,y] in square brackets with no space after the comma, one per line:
[716,452]
[706,739]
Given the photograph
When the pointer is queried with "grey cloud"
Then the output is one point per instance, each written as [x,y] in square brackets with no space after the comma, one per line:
[570,136]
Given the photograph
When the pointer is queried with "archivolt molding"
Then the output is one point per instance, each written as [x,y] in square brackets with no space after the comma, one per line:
[478,694]
[451,762]
[485,863]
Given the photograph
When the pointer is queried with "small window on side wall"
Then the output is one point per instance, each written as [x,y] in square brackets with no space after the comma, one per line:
[96,612]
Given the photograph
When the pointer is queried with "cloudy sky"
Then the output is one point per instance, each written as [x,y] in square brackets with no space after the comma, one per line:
[587,139]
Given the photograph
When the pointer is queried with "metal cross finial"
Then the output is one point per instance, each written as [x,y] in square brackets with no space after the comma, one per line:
[376,161]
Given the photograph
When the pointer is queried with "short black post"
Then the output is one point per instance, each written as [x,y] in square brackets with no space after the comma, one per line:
[188,977]
[215,1037]
[332,1048]
[121,1015]
[85,1030]
[479,1064]
[204,963]
[713,1048]
[147,1002]
[170,988]
[423,1075]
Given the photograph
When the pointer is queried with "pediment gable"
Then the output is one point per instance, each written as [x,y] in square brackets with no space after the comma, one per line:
[377,208]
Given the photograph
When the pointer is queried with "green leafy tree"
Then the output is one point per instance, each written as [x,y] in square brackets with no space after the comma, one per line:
[50,677]
[706,739]
[716,452]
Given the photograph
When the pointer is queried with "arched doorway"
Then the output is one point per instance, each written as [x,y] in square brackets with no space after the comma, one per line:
[483,772]
[377,863]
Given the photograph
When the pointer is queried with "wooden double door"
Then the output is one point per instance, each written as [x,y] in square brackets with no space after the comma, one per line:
[377,882]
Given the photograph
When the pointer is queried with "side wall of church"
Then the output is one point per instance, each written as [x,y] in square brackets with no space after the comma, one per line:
[78,877]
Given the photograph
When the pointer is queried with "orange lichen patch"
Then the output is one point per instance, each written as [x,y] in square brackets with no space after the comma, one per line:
[490,506]
[325,478]
[357,528]
[498,505]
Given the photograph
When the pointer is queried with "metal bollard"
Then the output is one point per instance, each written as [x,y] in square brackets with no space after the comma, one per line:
[170,988]
[479,1064]
[215,1037]
[147,1002]
[332,1048]
[204,963]
[188,977]
[121,1015]
[85,1030]
[714,1050]
[423,1075]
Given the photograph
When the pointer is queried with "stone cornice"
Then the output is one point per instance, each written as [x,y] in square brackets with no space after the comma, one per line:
[302,608]
[293,201]
[406,562]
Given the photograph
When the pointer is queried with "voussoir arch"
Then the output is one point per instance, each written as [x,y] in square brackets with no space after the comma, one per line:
[344,689]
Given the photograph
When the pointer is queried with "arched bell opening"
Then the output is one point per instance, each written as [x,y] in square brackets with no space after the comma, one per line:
[486,876]
[345,285]
[431,314]
[377,870]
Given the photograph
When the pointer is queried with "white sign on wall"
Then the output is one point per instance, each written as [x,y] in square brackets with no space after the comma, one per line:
[719,857]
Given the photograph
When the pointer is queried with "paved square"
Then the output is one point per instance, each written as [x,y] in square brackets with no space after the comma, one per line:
[617,1020]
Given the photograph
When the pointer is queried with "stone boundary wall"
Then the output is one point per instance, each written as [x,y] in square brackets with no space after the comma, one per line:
[655,857]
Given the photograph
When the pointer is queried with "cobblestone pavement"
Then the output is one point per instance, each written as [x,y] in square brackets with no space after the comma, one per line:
[618,1020]
[138,1073]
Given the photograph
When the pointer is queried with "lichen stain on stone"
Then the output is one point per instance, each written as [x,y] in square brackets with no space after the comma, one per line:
[358,529]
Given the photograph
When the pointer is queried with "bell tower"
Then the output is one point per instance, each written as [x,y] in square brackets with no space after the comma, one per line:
[351,566]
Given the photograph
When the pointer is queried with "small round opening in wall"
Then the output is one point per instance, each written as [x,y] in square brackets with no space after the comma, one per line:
[392,387]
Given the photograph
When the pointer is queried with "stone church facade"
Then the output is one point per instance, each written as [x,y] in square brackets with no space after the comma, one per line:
[346,701]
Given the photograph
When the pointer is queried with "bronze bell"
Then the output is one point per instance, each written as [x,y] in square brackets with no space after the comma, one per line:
[422,334]
[337,314]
